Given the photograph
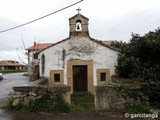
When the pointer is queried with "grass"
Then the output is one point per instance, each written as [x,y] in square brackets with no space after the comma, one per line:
[82,101]
[137,109]
[12,71]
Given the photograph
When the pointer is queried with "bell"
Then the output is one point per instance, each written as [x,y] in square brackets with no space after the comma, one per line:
[78,27]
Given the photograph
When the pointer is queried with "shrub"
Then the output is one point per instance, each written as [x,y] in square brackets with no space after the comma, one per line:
[42,104]
[9,104]
[60,104]
[22,107]
[139,59]
[137,109]
[46,103]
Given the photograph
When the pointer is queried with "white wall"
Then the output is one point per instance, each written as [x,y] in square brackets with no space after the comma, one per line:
[78,48]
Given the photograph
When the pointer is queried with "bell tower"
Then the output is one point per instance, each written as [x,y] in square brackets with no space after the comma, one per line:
[78,25]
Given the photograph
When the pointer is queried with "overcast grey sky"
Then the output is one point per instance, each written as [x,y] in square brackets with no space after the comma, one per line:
[108,20]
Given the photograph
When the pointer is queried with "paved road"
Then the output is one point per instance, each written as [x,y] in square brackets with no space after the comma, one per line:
[10,80]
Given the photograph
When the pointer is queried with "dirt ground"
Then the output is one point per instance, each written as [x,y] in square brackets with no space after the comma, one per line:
[77,115]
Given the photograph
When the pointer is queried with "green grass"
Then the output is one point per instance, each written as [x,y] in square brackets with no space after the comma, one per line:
[137,109]
[12,71]
[83,101]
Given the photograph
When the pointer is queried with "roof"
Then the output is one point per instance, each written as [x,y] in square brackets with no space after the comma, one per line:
[78,15]
[10,63]
[108,42]
[39,46]
[103,43]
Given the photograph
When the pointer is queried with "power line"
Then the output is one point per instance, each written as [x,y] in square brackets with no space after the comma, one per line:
[40,17]
[23,42]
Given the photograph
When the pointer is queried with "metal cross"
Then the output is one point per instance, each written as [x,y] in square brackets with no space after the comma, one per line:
[78,10]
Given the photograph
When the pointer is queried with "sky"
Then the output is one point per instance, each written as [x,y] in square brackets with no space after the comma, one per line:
[108,20]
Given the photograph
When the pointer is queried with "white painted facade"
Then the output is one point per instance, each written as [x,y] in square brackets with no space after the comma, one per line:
[78,48]
[59,62]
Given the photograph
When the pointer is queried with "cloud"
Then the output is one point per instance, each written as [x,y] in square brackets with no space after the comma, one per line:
[103,25]
[120,27]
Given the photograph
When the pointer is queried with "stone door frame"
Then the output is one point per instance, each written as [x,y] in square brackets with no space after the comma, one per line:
[89,64]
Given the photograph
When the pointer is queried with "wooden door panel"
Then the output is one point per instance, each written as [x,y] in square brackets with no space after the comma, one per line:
[80,78]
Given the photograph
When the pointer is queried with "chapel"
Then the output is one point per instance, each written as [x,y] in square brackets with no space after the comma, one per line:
[78,61]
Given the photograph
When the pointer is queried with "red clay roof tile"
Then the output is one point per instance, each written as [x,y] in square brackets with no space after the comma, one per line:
[39,46]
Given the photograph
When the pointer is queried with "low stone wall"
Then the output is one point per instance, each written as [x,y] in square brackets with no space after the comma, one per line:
[113,97]
[25,94]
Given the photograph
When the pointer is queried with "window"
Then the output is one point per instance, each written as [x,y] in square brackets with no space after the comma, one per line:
[56,77]
[35,56]
[43,63]
[103,76]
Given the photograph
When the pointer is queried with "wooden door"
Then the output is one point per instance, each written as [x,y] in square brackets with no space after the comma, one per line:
[80,83]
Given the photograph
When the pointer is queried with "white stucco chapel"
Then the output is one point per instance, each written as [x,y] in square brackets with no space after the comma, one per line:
[78,61]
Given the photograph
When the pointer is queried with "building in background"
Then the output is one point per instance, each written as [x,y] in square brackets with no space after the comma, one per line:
[33,61]
[11,65]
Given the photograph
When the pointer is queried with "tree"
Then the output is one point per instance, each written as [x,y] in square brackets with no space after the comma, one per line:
[140,59]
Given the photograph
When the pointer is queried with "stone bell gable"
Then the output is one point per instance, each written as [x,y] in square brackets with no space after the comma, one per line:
[78,25]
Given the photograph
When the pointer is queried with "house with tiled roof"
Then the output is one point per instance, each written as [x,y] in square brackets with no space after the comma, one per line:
[11,65]
[33,62]
[38,46]
[78,61]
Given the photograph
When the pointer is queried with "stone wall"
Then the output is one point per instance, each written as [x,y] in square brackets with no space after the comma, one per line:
[114,97]
[25,94]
